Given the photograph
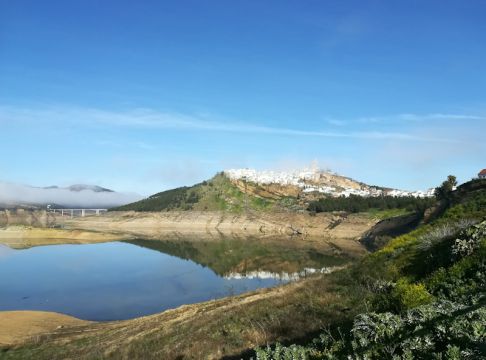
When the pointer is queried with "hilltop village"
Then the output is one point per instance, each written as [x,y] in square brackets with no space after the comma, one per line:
[319,181]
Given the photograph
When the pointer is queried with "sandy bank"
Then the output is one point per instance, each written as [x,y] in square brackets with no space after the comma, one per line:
[20,326]
[19,237]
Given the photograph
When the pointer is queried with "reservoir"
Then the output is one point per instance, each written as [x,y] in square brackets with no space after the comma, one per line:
[123,280]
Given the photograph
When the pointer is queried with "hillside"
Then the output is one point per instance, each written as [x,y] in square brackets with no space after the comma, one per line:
[425,292]
[249,190]
[420,296]
[218,193]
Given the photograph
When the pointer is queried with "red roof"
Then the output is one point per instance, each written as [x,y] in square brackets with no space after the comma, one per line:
[482,172]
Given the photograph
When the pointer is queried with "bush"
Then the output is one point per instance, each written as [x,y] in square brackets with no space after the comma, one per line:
[280,352]
[441,311]
[442,330]
[469,240]
[409,296]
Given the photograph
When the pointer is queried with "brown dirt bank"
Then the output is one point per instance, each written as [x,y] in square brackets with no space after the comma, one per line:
[151,224]
[112,226]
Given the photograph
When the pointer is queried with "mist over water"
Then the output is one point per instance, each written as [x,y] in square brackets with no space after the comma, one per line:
[11,193]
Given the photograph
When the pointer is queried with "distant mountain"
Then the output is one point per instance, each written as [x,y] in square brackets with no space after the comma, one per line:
[239,189]
[82,187]
[74,196]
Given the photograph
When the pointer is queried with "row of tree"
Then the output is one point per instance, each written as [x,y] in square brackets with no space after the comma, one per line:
[355,203]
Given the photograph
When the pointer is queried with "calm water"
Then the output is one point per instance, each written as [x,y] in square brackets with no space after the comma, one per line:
[121,280]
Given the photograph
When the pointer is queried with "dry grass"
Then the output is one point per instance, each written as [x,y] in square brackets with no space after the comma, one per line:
[20,326]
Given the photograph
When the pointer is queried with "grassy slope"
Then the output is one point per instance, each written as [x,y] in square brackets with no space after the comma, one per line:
[415,269]
[424,299]
[217,193]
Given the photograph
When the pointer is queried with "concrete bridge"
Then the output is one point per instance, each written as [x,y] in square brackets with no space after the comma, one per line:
[77,212]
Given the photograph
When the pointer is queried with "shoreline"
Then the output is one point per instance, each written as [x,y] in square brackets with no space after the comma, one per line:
[29,329]
[339,230]
[212,222]
[342,232]
[22,237]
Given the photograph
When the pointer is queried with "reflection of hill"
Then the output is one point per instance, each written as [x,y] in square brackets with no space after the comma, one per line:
[234,255]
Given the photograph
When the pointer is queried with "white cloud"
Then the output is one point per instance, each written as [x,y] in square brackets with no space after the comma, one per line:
[408,117]
[146,118]
[11,194]
[439,116]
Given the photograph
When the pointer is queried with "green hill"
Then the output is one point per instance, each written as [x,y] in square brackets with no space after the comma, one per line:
[222,194]
[218,193]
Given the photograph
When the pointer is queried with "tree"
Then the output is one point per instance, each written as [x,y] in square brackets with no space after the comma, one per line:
[443,191]
[451,179]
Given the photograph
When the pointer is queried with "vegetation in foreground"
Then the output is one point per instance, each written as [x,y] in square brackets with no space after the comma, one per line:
[425,293]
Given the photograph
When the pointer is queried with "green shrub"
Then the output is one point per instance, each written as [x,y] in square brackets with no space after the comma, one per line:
[409,296]
[424,292]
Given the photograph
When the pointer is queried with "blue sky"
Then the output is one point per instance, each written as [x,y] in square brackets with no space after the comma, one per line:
[147,95]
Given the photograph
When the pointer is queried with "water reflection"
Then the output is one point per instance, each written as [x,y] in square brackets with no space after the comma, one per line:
[122,280]
[283,276]
[251,257]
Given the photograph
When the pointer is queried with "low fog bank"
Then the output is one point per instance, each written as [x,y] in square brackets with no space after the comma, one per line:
[17,194]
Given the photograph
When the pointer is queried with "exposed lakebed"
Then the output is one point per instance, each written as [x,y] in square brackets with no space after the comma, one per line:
[122,280]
